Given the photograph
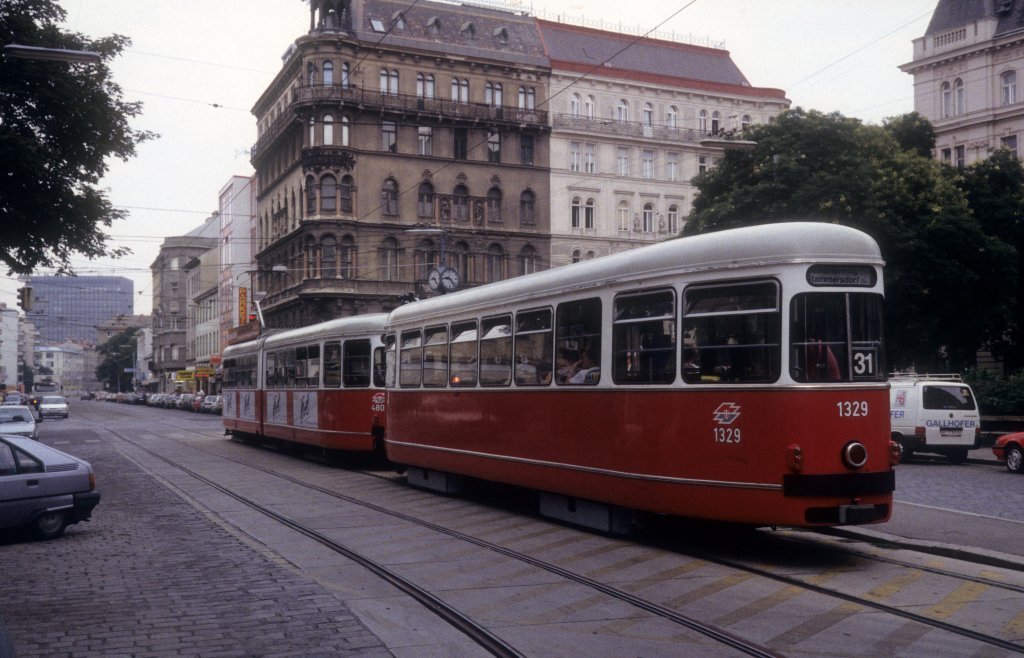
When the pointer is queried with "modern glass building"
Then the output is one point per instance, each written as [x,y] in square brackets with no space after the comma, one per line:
[71,307]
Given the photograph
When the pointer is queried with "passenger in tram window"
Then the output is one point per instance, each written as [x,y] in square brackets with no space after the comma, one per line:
[544,374]
[585,371]
[691,369]
[564,366]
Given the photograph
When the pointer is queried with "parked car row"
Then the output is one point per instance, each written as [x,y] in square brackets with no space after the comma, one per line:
[209,404]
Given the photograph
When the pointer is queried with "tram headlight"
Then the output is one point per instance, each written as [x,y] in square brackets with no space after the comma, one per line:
[855,454]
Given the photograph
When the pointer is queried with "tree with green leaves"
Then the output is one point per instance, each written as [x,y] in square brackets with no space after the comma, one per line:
[116,354]
[945,276]
[59,124]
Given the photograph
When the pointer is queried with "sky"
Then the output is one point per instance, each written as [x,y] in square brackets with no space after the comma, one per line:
[198,67]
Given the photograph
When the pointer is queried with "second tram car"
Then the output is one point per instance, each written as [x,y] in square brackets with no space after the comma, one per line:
[734,376]
[321,385]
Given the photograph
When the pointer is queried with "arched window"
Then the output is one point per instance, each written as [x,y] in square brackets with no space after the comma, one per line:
[575,105]
[309,259]
[959,102]
[745,123]
[576,213]
[310,73]
[348,258]
[648,115]
[527,98]
[458,257]
[389,197]
[310,195]
[947,100]
[494,205]
[527,202]
[622,111]
[673,219]
[716,122]
[672,117]
[328,130]
[1008,84]
[344,131]
[460,90]
[389,260]
[494,266]
[426,258]
[527,260]
[345,75]
[345,190]
[328,257]
[648,218]
[312,132]
[389,81]
[328,73]
[702,121]
[424,85]
[492,94]
[588,107]
[576,256]
[461,203]
[588,214]
[425,201]
[328,199]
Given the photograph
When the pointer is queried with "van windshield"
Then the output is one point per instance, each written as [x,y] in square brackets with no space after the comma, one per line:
[948,398]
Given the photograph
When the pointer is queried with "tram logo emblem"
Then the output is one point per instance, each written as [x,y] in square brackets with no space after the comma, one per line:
[726,413]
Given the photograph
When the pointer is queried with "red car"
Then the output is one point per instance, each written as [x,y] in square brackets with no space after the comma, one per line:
[1009,449]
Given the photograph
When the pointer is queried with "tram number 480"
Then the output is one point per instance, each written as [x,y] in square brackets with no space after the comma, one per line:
[726,434]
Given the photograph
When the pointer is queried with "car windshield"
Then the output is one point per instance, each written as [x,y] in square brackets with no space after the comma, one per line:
[53,400]
[15,415]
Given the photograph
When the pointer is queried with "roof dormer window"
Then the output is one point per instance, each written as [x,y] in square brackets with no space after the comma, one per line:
[377,24]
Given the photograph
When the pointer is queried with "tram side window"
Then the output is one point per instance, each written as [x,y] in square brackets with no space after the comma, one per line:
[496,351]
[289,366]
[410,364]
[644,338]
[435,356]
[301,363]
[578,342]
[313,366]
[533,348]
[731,333]
[332,365]
[836,337]
[357,363]
[270,368]
[463,354]
[390,360]
[379,367]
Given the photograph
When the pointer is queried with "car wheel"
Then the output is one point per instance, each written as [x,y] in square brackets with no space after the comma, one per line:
[49,525]
[1014,459]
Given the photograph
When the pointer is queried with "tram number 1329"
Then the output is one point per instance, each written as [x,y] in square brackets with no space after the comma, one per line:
[726,434]
[852,408]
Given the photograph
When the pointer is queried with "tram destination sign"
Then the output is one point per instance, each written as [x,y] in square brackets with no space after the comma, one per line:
[859,276]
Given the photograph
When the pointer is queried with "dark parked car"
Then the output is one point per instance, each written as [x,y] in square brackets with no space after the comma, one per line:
[1009,449]
[42,488]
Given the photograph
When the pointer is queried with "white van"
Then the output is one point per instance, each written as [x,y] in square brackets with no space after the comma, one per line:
[933,413]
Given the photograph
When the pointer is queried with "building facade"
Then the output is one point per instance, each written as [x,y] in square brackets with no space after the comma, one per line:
[170,300]
[9,340]
[237,211]
[968,73]
[203,321]
[71,307]
[398,139]
[63,364]
[633,121]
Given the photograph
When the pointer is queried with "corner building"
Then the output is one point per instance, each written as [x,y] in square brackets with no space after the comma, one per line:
[398,138]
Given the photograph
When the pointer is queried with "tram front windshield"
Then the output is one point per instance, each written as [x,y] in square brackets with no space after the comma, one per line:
[836,337]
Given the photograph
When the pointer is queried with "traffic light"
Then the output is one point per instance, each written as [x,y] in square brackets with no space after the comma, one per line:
[25,298]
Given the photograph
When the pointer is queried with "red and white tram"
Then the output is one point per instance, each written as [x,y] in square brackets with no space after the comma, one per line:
[321,385]
[734,376]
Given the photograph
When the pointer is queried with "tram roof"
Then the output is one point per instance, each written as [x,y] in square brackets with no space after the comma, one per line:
[734,249]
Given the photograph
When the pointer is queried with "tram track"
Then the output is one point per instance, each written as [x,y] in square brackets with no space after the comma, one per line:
[451,615]
[710,631]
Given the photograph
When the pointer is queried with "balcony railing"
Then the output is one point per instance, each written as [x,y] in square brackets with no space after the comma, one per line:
[633,129]
[359,99]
